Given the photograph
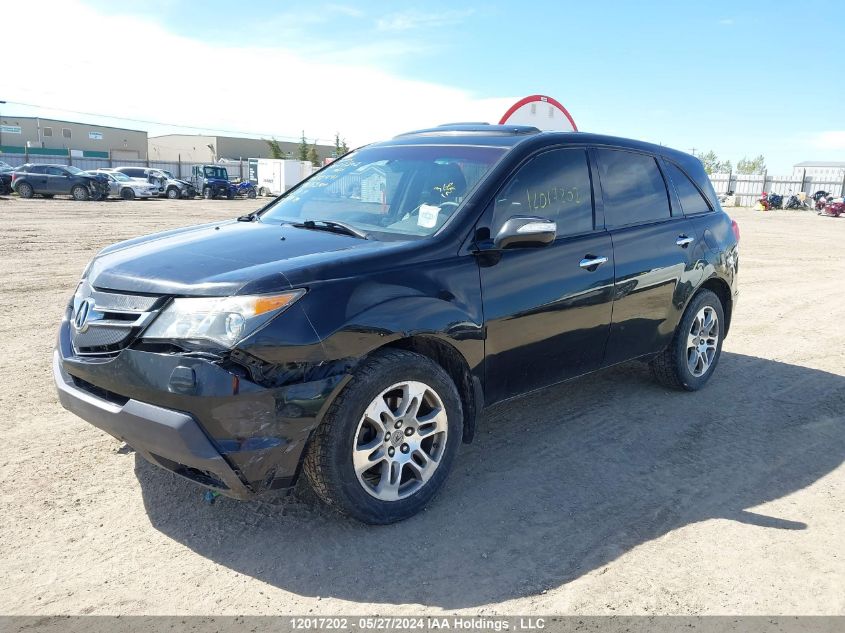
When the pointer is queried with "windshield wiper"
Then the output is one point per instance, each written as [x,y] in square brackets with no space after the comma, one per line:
[249,217]
[332,226]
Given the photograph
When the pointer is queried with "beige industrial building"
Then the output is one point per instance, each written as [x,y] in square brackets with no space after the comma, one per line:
[38,133]
[820,170]
[199,148]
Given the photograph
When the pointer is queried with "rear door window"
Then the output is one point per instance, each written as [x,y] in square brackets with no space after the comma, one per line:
[633,189]
[554,185]
[692,202]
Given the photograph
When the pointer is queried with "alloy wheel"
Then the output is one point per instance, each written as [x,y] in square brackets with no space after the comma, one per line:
[702,341]
[400,441]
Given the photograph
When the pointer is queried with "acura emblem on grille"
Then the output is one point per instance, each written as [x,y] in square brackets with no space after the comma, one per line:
[80,319]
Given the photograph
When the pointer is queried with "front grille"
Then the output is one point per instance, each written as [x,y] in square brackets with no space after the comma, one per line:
[101,336]
[117,301]
[114,320]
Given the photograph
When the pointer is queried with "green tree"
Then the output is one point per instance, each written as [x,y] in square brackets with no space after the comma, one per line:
[313,155]
[712,164]
[275,149]
[751,166]
[710,161]
[303,147]
[340,147]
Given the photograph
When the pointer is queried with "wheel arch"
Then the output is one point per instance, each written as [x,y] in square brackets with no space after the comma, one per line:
[454,364]
[721,289]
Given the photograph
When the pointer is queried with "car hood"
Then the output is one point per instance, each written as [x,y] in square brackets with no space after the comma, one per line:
[228,258]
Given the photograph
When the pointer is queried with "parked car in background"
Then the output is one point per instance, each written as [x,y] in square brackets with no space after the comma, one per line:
[168,186]
[212,181]
[355,333]
[122,186]
[58,180]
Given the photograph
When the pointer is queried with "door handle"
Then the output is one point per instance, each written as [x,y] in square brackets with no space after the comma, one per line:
[591,263]
[683,241]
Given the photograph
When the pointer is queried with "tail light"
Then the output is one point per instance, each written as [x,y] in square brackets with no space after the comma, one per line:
[735,228]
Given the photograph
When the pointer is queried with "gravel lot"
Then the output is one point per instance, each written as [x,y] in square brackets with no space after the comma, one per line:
[607,495]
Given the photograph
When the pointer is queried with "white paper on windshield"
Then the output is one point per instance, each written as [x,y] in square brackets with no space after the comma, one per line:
[427,217]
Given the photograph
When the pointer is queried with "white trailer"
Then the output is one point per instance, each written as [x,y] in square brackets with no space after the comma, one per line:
[274,176]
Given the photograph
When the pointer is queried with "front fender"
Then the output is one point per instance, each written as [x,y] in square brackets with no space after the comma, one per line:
[351,317]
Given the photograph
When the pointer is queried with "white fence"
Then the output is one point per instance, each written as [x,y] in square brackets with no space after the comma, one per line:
[238,170]
[748,188]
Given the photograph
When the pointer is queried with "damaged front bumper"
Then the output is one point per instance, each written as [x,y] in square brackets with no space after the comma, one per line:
[194,417]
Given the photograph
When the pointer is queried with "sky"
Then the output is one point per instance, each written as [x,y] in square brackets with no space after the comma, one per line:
[739,78]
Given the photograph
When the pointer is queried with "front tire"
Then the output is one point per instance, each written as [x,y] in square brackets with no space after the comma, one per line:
[694,352]
[127,194]
[173,193]
[79,193]
[206,193]
[388,441]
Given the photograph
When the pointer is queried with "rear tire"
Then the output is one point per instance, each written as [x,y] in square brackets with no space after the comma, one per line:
[25,190]
[388,441]
[80,193]
[251,193]
[691,358]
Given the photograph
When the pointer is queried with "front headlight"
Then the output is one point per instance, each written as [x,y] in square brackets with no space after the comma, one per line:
[223,320]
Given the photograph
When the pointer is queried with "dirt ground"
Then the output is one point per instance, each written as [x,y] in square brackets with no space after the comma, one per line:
[607,495]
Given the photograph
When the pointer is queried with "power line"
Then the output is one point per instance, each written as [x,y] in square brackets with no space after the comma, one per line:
[149,122]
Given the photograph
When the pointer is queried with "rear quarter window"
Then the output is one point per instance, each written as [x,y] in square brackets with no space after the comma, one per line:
[692,202]
[633,188]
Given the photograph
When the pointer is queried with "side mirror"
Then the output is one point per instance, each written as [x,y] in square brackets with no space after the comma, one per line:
[526,231]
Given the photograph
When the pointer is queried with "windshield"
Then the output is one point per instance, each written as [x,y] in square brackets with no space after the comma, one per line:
[405,191]
[74,170]
[166,174]
[216,172]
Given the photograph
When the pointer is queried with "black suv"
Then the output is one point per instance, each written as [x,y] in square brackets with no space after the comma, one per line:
[58,180]
[5,178]
[355,327]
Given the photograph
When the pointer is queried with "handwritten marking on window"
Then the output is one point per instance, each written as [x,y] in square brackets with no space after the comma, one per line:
[544,199]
